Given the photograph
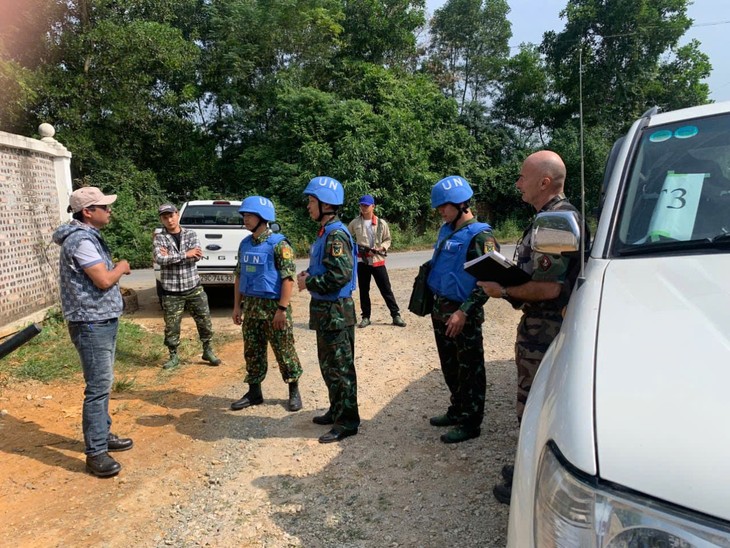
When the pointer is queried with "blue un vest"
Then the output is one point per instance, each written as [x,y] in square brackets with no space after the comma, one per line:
[259,277]
[448,278]
[316,265]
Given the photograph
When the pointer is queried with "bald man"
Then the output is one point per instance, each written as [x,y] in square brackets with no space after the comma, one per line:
[542,299]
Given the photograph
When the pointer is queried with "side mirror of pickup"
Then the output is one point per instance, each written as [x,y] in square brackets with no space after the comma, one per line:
[556,233]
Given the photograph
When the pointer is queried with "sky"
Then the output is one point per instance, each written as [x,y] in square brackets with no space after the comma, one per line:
[531,18]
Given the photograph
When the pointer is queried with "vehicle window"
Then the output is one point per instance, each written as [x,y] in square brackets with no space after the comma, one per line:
[679,189]
[211,215]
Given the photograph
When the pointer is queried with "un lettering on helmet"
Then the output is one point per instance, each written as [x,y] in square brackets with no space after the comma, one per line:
[327,190]
[451,190]
[259,205]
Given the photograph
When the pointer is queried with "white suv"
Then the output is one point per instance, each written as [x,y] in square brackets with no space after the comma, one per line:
[219,227]
[624,441]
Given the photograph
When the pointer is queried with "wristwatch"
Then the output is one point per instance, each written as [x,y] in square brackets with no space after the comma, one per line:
[504,294]
[282,308]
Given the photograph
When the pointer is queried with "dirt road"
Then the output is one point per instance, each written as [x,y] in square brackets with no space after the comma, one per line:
[200,474]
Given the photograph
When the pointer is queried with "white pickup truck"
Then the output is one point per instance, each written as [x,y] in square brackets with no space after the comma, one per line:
[624,440]
[220,230]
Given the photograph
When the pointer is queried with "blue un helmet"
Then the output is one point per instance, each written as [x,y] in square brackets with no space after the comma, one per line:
[258,205]
[327,190]
[451,190]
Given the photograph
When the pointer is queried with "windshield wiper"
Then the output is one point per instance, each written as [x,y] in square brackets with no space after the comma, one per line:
[664,246]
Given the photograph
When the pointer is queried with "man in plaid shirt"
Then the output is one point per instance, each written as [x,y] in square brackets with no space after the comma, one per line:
[177,250]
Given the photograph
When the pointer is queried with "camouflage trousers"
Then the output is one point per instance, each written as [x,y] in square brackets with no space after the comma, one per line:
[534,336]
[196,303]
[257,334]
[336,353]
[462,363]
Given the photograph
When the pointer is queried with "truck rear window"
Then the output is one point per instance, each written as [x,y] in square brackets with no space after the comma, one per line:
[211,215]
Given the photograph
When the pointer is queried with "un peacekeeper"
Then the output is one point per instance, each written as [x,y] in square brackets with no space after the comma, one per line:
[544,297]
[261,303]
[177,251]
[330,280]
[458,310]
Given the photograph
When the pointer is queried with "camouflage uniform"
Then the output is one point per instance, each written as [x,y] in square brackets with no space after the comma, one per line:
[334,322]
[258,324]
[195,302]
[462,357]
[541,320]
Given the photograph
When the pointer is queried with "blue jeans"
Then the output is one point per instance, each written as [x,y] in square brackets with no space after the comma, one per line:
[96,344]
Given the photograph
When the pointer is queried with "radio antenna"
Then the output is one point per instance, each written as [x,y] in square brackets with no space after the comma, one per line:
[582,164]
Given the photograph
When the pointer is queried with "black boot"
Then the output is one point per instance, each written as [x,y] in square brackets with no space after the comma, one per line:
[295,400]
[252,397]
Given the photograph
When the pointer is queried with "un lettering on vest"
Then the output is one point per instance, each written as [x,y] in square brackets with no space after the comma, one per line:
[452,246]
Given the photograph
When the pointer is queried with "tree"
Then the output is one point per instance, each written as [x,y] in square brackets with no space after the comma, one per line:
[469,47]
[381,31]
[624,44]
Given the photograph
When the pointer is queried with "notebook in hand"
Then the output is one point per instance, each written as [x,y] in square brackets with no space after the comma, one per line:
[495,267]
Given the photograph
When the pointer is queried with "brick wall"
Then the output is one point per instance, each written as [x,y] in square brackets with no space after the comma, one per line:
[35,184]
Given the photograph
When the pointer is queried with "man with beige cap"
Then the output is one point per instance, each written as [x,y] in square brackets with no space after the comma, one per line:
[92,303]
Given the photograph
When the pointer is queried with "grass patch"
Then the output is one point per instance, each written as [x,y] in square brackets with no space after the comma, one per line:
[125,384]
[52,356]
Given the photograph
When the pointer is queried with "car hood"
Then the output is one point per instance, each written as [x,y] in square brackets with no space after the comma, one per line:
[662,379]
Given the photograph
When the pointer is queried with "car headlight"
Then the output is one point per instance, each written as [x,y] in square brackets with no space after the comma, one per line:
[573,511]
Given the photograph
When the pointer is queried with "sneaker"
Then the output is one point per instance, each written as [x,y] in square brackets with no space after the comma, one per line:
[503,493]
[442,420]
[459,434]
[172,363]
[364,322]
[397,320]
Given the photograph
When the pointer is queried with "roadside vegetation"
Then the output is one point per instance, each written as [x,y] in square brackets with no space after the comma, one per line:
[50,356]
[189,99]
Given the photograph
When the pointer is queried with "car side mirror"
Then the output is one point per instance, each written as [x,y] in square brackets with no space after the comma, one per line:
[556,233]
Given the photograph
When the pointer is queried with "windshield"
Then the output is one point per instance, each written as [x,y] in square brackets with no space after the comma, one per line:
[678,196]
[211,215]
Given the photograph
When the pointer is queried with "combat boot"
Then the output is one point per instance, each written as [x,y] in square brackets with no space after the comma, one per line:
[295,400]
[252,397]
[209,356]
[173,362]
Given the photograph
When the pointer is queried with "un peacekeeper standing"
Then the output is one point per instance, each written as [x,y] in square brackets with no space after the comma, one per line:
[330,280]
[544,297]
[92,303]
[261,303]
[458,311]
[372,236]
[177,251]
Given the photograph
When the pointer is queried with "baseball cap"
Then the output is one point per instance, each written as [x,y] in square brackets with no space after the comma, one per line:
[166,208]
[367,200]
[89,196]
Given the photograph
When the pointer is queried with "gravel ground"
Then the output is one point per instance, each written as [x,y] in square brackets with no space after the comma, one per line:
[202,475]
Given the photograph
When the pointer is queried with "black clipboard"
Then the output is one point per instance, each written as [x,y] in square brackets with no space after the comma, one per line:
[495,267]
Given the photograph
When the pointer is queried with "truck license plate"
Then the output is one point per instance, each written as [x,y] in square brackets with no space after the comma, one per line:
[216,278]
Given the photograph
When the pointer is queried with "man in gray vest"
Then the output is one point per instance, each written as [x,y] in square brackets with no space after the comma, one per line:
[92,303]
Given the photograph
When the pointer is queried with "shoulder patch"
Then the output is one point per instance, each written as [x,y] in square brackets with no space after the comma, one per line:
[286,252]
[545,262]
[489,246]
[337,249]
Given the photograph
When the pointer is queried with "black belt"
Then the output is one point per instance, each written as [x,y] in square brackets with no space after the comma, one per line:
[97,322]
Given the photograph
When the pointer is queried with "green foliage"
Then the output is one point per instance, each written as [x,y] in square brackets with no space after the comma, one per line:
[184,99]
[469,47]
[51,355]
